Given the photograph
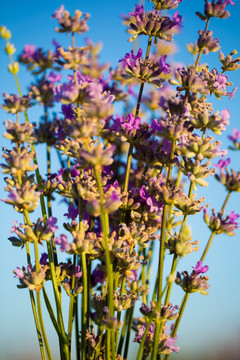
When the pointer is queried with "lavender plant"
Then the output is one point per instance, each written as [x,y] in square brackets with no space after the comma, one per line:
[129,181]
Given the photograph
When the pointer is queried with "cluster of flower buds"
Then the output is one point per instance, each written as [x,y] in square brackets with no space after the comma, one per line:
[220,224]
[146,71]
[165,344]
[181,243]
[14,104]
[231,180]
[37,232]
[215,9]
[70,24]
[152,24]
[194,283]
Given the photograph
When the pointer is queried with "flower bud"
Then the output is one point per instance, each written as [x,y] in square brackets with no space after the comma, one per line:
[13,68]
[10,49]
[5,33]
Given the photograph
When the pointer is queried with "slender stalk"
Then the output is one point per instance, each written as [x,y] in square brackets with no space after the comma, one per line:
[84,306]
[49,355]
[33,304]
[177,322]
[130,320]
[225,201]
[51,313]
[105,228]
[77,330]
[39,335]
[151,317]
[130,151]
[123,332]
[170,284]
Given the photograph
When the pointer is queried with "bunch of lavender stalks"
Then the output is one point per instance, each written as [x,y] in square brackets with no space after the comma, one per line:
[129,181]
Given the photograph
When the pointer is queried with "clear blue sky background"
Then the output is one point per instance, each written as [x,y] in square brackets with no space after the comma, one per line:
[209,320]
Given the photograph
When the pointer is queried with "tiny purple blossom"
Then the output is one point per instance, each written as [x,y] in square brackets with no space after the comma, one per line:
[235,135]
[18,273]
[58,13]
[53,77]
[72,212]
[138,11]
[51,223]
[14,227]
[220,82]
[199,269]
[155,125]
[225,117]
[78,273]
[130,59]
[170,344]
[223,163]
[28,51]
[63,242]
[177,18]
[163,67]
[232,217]
[43,259]
[232,93]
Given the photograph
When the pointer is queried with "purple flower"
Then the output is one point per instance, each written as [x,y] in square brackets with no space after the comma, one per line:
[28,52]
[52,77]
[18,273]
[97,276]
[232,217]
[235,135]
[44,259]
[51,222]
[63,242]
[232,93]
[139,10]
[58,13]
[67,111]
[78,273]
[199,269]
[220,82]
[72,212]
[156,126]
[170,344]
[225,117]
[176,18]
[130,59]
[14,228]
[163,67]
[223,163]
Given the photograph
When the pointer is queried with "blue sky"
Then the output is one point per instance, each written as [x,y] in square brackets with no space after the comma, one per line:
[209,320]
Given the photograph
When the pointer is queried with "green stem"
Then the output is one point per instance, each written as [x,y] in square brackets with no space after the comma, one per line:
[172,274]
[123,332]
[225,201]
[105,228]
[84,306]
[77,330]
[130,151]
[151,317]
[51,313]
[177,322]
[143,278]
[130,320]
[49,355]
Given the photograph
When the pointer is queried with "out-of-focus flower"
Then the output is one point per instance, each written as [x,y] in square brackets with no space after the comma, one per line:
[71,24]
[220,224]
